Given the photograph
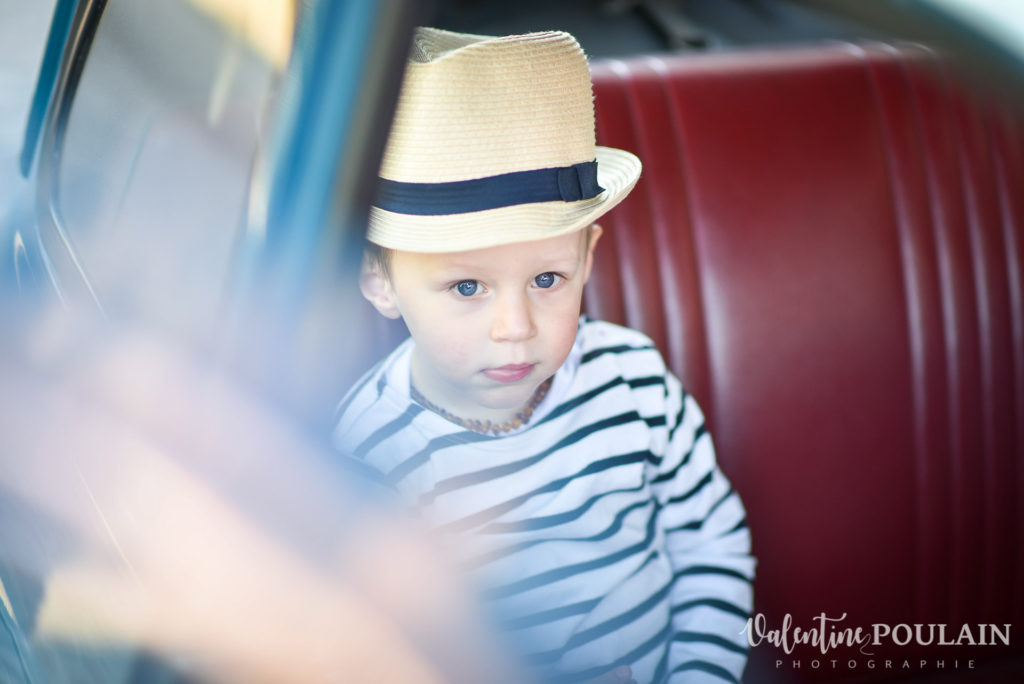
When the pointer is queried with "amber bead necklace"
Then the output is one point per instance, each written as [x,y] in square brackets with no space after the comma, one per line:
[487,427]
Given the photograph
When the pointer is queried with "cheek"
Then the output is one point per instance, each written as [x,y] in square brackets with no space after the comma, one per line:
[566,336]
[448,340]
[561,324]
[455,349]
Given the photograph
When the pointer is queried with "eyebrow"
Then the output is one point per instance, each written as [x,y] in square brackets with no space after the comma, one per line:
[468,270]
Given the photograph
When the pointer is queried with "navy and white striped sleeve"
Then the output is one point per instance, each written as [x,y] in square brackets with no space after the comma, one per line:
[708,542]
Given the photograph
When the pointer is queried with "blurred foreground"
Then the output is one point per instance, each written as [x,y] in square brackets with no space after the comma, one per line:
[161,524]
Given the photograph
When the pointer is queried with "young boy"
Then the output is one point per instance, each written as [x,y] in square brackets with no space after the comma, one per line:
[600,528]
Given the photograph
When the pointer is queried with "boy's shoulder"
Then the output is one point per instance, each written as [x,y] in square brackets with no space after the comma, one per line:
[618,345]
[596,332]
[374,396]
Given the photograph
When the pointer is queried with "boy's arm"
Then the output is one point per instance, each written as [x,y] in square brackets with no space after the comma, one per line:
[708,543]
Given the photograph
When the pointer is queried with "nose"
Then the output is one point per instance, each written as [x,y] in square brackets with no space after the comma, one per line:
[513,319]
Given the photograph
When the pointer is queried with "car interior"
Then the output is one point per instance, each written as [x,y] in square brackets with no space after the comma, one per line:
[826,245]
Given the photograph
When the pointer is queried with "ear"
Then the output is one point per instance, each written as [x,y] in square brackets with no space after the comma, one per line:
[595,234]
[376,287]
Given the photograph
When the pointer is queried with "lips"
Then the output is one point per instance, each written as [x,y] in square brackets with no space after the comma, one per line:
[510,373]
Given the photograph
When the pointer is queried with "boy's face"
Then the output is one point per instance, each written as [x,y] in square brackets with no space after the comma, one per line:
[490,324]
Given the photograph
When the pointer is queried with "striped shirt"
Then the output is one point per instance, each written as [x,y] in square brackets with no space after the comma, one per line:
[603,532]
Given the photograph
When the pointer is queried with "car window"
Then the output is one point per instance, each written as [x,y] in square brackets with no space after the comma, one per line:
[150,179]
[1003,22]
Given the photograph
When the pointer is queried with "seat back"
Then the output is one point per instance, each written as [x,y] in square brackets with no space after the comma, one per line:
[827,244]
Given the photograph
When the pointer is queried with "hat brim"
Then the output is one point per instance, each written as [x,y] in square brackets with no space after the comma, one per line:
[617,172]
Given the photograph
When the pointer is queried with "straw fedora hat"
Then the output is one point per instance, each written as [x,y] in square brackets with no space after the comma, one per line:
[493,142]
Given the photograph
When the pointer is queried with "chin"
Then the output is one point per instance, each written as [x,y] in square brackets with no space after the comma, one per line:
[509,397]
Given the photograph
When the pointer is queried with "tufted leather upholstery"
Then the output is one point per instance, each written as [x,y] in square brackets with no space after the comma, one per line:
[827,244]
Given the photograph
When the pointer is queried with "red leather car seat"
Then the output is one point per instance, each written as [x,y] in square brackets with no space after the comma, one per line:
[827,245]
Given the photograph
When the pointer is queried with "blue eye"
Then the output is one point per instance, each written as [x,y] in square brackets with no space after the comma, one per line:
[545,280]
[467,288]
